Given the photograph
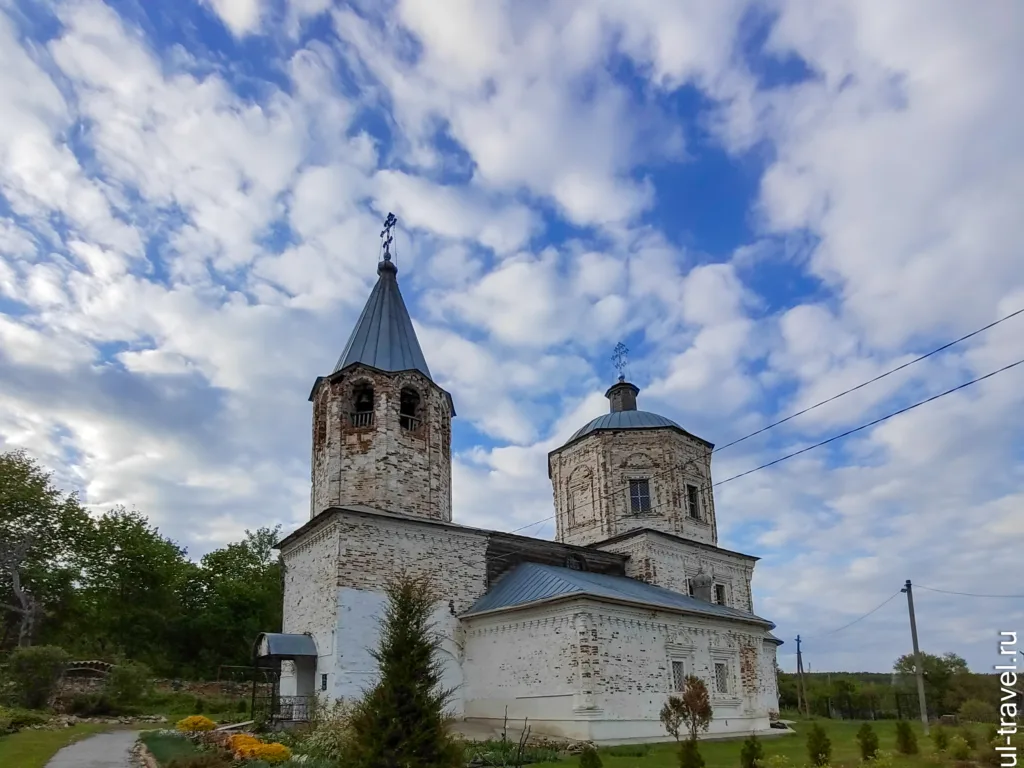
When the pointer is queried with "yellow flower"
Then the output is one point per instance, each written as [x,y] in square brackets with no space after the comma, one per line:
[195,723]
[238,740]
[271,753]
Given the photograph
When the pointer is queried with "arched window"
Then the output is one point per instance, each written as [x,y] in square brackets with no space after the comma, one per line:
[362,405]
[409,409]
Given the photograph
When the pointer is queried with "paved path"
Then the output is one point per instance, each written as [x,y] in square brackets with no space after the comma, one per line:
[104,750]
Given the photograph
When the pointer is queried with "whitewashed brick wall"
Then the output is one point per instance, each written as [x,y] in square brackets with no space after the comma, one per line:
[590,483]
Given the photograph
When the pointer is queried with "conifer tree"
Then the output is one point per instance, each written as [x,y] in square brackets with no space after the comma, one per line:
[401,722]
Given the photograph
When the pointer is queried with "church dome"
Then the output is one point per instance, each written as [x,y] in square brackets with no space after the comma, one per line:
[624,420]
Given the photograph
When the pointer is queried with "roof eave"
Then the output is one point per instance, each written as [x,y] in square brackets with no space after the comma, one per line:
[617,601]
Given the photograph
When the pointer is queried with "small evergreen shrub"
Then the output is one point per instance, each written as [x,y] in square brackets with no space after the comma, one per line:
[195,724]
[689,755]
[589,758]
[906,739]
[819,746]
[35,672]
[867,739]
[940,738]
[959,749]
[752,752]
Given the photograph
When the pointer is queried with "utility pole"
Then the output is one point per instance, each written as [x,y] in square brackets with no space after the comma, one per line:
[801,692]
[918,666]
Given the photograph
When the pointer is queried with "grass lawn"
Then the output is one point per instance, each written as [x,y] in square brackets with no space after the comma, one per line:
[726,754]
[32,748]
[166,747]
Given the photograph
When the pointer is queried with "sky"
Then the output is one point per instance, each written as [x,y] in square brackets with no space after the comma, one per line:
[767,202]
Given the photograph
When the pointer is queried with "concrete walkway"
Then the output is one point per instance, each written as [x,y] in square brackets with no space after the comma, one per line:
[104,750]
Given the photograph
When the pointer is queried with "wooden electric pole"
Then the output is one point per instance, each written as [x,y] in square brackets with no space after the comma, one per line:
[918,666]
[801,692]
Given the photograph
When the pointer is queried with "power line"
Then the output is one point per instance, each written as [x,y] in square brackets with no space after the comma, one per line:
[967,594]
[879,420]
[872,381]
[877,607]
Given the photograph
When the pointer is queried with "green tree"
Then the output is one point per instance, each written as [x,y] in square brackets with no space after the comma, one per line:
[752,752]
[939,674]
[976,711]
[401,721]
[39,529]
[35,673]
[240,596]
[906,739]
[131,579]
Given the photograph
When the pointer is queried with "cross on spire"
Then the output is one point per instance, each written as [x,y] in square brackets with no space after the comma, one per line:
[386,236]
[621,359]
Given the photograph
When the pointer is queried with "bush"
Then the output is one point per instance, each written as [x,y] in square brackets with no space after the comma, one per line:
[128,683]
[589,758]
[819,746]
[959,748]
[35,672]
[331,733]
[23,718]
[977,711]
[625,750]
[940,738]
[195,724]
[752,752]
[272,753]
[689,755]
[92,705]
[868,741]
[906,739]
[883,759]
[969,736]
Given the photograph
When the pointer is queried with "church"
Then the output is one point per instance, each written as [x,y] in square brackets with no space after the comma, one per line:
[586,635]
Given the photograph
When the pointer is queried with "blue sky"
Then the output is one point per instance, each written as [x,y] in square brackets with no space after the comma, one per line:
[768,202]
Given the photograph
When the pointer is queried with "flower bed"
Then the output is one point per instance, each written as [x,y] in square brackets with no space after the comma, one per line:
[195,742]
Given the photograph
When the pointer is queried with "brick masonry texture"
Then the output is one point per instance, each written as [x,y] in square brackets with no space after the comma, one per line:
[590,483]
[381,463]
[669,563]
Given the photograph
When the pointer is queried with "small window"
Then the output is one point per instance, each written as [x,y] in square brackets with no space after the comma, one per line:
[720,594]
[678,676]
[323,682]
[693,501]
[639,496]
[721,678]
[689,588]
[409,409]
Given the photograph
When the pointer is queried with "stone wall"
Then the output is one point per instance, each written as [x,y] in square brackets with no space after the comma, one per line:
[381,463]
[590,484]
[669,563]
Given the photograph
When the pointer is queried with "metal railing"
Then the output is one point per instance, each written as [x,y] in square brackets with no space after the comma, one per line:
[410,423]
[275,707]
[361,418]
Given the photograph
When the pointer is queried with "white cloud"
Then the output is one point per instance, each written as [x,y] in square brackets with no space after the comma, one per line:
[242,17]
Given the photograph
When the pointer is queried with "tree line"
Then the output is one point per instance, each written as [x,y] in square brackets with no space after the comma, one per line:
[949,685]
[113,587]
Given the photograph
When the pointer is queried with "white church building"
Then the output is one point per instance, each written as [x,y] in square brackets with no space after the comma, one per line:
[586,635]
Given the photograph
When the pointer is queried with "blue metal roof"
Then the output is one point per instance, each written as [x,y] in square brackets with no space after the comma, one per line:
[530,582]
[625,420]
[384,337]
[284,645]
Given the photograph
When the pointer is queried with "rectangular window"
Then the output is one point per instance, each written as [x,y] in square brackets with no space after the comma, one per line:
[693,501]
[689,587]
[678,676]
[720,594]
[323,682]
[721,678]
[639,496]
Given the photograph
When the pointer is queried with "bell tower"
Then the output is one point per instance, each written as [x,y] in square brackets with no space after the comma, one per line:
[381,426]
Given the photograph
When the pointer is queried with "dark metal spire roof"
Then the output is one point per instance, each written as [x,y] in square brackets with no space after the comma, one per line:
[384,337]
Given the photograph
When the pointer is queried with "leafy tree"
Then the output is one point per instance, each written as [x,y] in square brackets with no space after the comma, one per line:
[128,682]
[939,674]
[819,746]
[401,721]
[672,716]
[867,739]
[39,527]
[752,752]
[696,707]
[975,711]
[906,739]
